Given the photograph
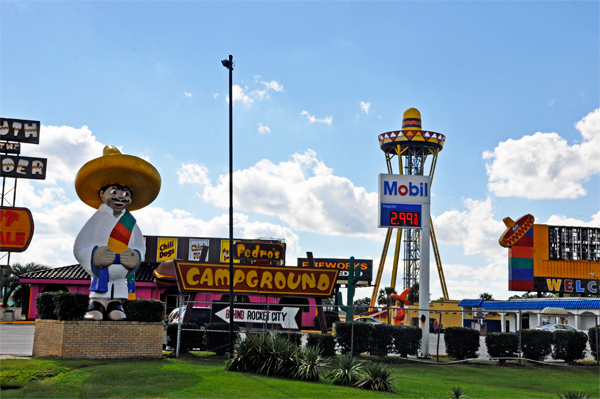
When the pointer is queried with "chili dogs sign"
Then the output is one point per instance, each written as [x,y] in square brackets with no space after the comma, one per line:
[254,279]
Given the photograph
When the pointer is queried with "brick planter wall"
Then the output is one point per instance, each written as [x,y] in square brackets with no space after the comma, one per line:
[98,339]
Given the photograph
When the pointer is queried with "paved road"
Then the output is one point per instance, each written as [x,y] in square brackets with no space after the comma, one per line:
[16,339]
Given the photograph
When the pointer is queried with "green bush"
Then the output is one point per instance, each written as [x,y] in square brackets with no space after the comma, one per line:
[145,310]
[45,305]
[569,345]
[502,345]
[360,340]
[330,318]
[244,357]
[326,342]
[461,342]
[294,338]
[70,305]
[536,344]
[593,334]
[407,340]
[191,337]
[382,341]
[216,337]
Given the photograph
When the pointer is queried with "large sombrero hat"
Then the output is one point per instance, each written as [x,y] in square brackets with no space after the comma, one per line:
[115,168]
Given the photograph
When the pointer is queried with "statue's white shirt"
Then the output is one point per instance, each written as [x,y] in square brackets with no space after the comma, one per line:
[95,233]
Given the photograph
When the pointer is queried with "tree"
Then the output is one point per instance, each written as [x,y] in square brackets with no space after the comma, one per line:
[486,297]
[383,299]
[413,295]
[361,305]
[10,279]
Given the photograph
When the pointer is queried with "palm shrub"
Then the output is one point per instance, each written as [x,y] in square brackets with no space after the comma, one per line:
[536,344]
[502,345]
[407,340]
[382,341]
[345,370]
[569,345]
[276,356]
[244,356]
[310,364]
[326,342]
[461,342]
[594,336]
[377,377]
[573,395]
[457,392]
[294,338]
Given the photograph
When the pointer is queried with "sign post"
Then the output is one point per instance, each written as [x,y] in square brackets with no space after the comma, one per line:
[404,202]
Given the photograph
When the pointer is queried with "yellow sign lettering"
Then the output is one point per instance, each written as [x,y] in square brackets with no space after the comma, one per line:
[308,279]
[267,278]
[553,285]
[207,277]
[190,276]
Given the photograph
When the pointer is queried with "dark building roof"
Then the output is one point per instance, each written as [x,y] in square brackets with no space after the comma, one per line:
[571,303]
[76,272]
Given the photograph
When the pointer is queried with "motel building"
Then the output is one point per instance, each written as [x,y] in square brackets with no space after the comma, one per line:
[579,313]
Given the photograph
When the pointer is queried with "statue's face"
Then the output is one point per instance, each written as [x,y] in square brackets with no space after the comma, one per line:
[117,198]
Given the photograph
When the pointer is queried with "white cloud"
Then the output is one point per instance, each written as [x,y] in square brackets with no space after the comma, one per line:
[312,119]
[364,107]
[187,94]
[67,149]
[239,95]
[273,85]
[215,95]
[545,166]
[193,174]
[263,129]
[474,229]
[304,193]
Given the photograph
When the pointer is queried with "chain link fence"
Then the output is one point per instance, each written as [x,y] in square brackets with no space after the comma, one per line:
[425,335]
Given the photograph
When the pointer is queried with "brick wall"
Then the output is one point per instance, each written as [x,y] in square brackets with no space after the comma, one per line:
[98,339]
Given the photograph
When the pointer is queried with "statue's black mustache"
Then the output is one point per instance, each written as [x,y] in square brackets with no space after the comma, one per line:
[120,200]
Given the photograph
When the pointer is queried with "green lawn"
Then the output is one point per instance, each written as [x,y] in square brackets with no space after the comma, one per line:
[192,377]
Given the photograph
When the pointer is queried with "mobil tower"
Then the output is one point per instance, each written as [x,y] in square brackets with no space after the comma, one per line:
[409,149]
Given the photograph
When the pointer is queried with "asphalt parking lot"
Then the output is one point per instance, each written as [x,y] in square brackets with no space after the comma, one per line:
[16,339]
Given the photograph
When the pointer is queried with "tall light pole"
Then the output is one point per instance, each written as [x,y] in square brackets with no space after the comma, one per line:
[229,65]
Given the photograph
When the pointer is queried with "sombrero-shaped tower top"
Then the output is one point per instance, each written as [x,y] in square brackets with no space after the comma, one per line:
[115,168]
[411,134]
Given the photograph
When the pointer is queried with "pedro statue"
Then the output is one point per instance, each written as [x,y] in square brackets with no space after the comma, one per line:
[110,246]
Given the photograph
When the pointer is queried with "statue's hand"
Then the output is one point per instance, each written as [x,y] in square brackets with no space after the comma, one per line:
[103,257]
[130,259]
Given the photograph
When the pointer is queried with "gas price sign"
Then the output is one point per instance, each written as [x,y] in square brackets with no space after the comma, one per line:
[400,215]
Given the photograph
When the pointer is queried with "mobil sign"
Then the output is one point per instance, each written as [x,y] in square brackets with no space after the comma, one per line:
[404,201]
[404,189]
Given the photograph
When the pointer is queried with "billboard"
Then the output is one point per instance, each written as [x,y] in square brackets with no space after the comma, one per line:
[16,229]
[555,259]
[255,279]
[343,265]
[403,200]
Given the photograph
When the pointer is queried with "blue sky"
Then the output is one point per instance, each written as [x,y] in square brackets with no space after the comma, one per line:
[514,86]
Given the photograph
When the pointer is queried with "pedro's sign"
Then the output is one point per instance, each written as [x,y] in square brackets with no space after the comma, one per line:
[16,229]
[258,251]
[254,279]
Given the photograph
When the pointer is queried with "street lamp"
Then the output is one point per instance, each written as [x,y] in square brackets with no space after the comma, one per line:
[229,65]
